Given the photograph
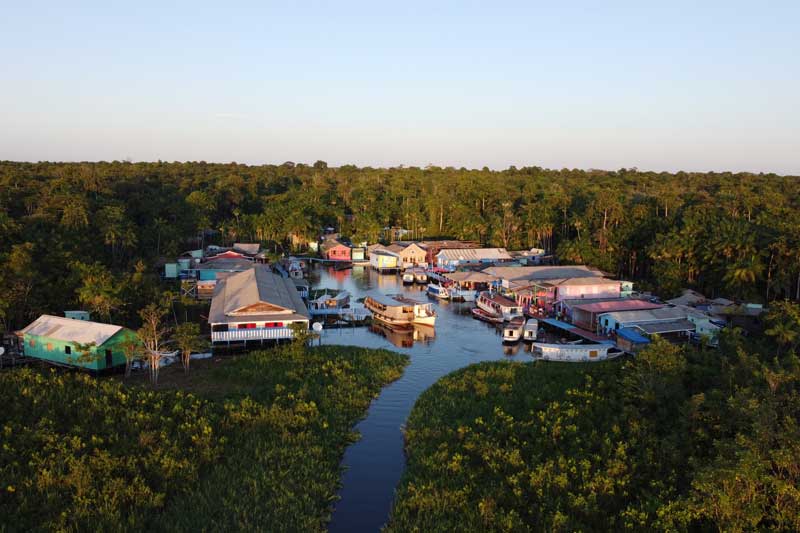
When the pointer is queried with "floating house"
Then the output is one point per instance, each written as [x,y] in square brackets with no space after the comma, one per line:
[53,339]
[412,255]
[358,253]
[586,316]
[453,259]
[671,323]
[432,248]
[384,261]
[334,250]
[253,307]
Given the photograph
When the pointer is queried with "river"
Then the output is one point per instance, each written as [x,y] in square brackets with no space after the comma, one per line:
[374,464]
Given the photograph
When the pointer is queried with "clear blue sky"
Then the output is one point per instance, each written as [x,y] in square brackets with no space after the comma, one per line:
[687,85]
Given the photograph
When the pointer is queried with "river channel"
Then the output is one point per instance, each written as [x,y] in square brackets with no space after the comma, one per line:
[374,464]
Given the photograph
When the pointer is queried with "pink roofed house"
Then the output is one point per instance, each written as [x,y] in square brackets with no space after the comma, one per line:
[585,315]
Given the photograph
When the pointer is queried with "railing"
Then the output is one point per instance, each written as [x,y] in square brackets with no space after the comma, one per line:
[251,334]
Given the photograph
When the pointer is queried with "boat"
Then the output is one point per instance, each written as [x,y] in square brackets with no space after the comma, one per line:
[575,353]
[531,330]
[498,305]
[512,332]
[486,316]
[463,295]
[400,311]
[421,277]
[434,289]
[408,277]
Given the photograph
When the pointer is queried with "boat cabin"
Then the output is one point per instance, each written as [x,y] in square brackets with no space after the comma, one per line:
[499,305]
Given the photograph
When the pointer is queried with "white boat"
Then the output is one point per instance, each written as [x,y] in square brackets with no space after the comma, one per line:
[486,316]
[531,330]
[421,277]
[463,295]
[498,305]
[400,311]
[408,277]
[512,332]
[434,289]
[575,353]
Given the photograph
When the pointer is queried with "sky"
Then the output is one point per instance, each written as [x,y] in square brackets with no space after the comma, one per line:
[693,86]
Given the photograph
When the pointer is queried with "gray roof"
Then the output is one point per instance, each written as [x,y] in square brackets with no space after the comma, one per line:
[71,330]
[667,327]
[247,248]
[648,315]
[277,295]
[535,273]
[226,263]
[474,254]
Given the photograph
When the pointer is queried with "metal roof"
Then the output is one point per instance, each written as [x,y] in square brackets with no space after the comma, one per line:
[667,327]
[648,315]
[632,335]
[475,277]
[71,330]
[247,248]
[542,272]
[475,254]
[258,285]
[619,305]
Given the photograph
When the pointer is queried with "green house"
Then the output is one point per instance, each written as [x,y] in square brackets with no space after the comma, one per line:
[53,338]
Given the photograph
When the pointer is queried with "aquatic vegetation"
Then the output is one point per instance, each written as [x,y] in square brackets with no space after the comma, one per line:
[677,439]
[258,444]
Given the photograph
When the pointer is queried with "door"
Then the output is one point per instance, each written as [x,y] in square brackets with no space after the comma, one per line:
[109,359]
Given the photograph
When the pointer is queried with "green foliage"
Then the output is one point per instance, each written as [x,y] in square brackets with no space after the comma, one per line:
[85,454]
[675,439]
[724,234]
[259,444]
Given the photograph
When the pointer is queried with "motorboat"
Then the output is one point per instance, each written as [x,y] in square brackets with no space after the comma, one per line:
[531,330]
[512,332]
[438,291]
[421,277]
[408,277]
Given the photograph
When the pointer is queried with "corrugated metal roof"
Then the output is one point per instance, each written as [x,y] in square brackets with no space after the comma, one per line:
[71,330]
[474,254]
[667,327]
[247,248]
[475,277]
[632,335]
[620,305]
[251,287]
[648,315]
[542,272]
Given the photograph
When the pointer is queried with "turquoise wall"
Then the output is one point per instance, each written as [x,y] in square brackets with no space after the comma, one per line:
[56,352]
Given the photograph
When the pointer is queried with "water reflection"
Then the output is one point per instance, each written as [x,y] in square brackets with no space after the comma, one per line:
[374,464]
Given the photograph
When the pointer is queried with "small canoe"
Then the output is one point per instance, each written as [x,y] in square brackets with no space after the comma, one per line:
[486,316]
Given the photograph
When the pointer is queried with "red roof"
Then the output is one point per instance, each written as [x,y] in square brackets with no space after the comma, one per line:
[621,305]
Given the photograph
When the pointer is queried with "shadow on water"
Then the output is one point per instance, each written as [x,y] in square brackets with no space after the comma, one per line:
[374,464]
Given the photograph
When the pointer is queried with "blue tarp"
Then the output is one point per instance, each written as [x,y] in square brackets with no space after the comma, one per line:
[557,323]
[632,335]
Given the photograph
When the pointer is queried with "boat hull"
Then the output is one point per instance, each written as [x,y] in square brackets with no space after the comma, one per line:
[437,291]
[481,314]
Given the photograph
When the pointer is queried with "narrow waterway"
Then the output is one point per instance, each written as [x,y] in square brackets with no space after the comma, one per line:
[374,464]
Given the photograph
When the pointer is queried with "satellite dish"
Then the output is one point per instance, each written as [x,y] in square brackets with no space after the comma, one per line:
[317,327]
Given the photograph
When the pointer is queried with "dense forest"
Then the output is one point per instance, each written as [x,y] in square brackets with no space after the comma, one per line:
[675,439]
[91,235]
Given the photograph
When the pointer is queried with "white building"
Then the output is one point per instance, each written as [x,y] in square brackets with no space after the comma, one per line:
[254,306]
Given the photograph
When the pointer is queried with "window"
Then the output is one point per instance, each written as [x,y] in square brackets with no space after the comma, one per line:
[247,326]
[67,350]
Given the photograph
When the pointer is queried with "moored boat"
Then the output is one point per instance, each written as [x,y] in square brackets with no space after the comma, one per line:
[486,316]
[408,277]
[512,332]
[400,311]
[436,290]
[531,330]
[421,277]
[574,352]
[499,305]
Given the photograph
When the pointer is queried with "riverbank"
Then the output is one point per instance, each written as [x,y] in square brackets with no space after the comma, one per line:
[240,443]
